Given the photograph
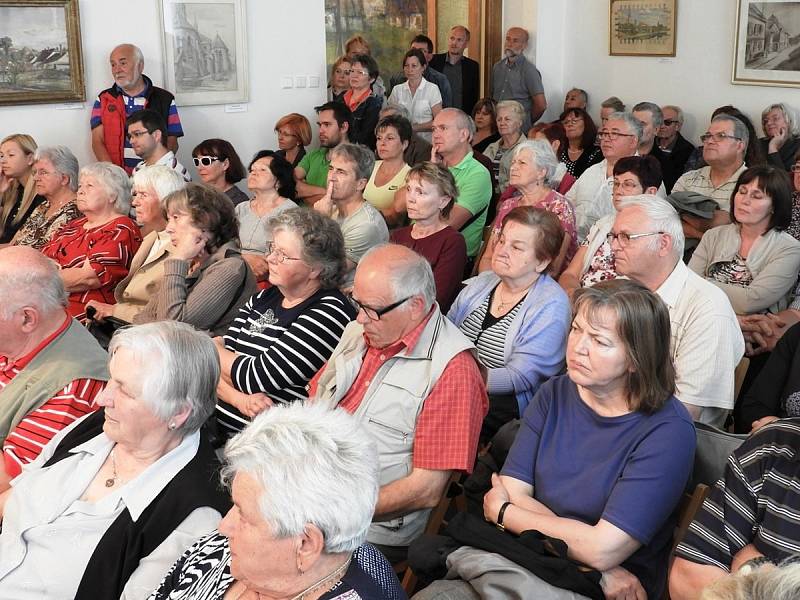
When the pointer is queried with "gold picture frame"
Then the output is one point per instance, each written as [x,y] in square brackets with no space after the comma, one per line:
[642,27]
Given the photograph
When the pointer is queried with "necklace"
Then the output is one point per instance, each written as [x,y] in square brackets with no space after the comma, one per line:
[112,480]
[514,298]
[332,578]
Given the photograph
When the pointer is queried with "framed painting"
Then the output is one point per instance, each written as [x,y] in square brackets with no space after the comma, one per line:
[642,27]
[767,46]
[40,52]
[205,51]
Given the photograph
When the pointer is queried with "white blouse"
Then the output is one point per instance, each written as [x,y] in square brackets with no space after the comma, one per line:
[419,104]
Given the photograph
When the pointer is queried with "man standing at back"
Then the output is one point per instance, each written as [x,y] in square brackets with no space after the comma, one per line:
[132,91]
[514,78]
[463,73]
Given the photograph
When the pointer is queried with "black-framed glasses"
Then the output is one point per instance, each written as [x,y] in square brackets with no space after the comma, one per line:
[133,135]
[671,121]
[623,239]
[279,254]
[718,137]
[206,161]
[375,314]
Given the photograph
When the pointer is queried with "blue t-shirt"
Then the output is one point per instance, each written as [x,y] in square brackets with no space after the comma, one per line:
[630,471]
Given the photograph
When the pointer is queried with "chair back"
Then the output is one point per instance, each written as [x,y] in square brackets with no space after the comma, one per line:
[714,446]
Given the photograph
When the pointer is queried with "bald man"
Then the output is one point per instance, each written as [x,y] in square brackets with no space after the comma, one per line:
[132,91]
[515,78]
[412,377]
[51,368]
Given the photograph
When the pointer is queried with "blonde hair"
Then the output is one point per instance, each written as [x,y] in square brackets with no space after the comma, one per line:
[9,198]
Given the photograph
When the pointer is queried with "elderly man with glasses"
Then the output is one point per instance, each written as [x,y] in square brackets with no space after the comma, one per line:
[411,376]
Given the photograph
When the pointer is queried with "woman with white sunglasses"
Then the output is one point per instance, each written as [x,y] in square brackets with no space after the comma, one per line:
[219,166]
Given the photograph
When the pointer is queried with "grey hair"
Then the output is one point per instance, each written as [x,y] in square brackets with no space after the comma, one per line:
[739,128]
[180,369]
[323,242]
[114,180]
[662,216]
[779,583]
[162,179]
[32,280]
[654,109]
[543,157]
[582,92]
[314,466]
[631,121]
[676,109]
[361,156]
[464,121]
[513,106]
[397,109]
[63,161]
[137,52]
[410,276]
[613,102]
[789,113]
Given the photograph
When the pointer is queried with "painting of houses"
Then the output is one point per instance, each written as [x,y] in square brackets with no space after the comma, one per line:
[767,50]
[642,28]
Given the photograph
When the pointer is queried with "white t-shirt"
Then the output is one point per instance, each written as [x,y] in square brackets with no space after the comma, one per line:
[419,104]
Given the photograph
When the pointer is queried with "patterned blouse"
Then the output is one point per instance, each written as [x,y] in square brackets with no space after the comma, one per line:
[40,229]
[794,226]
[733,272]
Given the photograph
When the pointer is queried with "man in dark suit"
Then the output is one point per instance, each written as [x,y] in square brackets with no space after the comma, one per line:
[676,147]
[463,73]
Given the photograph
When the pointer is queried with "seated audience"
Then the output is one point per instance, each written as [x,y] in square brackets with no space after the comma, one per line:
[364,105]
[147,132]
[205,279]
[510,116]
[418,149]
[576,98]
[339,80]
[284,334]
[594,261]
[555,135]
[297,528]
[675,148]
[219,166]
[794,225]
[432,408]
[533,167]
[359,45]
[386,186]
[95,251]
[55,175]
[650,116]
[516,315]
[109,506]
[150,188]
[18,196]
[431,192]
[334,120]
[581,152]
[421,98]
[781,143]
[294,134]
[362,225]
[51,369]
[706,342]
[754,156]
[613,508]
[485,116]
[749,519]
[271,181]
[753,260]
[608,107]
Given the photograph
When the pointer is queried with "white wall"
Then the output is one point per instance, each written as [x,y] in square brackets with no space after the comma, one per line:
[276,47]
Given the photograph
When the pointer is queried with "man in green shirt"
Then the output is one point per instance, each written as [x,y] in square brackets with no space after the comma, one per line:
[452,132]
[334,120]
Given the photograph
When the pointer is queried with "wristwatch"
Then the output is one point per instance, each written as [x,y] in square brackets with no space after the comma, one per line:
[500,515]
[753,564]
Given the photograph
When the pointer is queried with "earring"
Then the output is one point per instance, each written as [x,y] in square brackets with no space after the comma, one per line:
[172,426]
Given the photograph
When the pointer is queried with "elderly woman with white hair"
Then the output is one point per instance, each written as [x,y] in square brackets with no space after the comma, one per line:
[304,481]
[151,187]
[510,117]
[95,251]
[55,177]
[113,501]
[781,143]
[532,177]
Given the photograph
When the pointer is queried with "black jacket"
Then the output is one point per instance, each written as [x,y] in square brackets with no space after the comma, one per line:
[470,80]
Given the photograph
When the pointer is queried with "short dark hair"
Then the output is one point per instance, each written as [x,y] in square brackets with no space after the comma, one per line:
[281,169]
[366,61]
[552,131]
[549,231]
[754,154]
[416,53]
[776,184]
[589,128]
[223,150]
[643,325]
[646,168]
[400,123]
[423,39]
[341,113]
[209,209]
[490,104]
[150,120]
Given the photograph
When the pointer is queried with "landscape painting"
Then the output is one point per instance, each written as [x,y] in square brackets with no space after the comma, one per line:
[642,27]
[767,49]
[40,52]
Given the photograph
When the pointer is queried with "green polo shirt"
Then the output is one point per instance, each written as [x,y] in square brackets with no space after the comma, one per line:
[474,193]
[315,164]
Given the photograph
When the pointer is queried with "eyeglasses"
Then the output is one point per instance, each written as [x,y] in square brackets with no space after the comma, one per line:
[42,173]
[375,314]
[718,137]
[204,160]
[625,238]
[612,135]
[342,71]
[669,122]
[279,254]
[625,185]
[357,72]
[132,135]
[795,168]
[571,121]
